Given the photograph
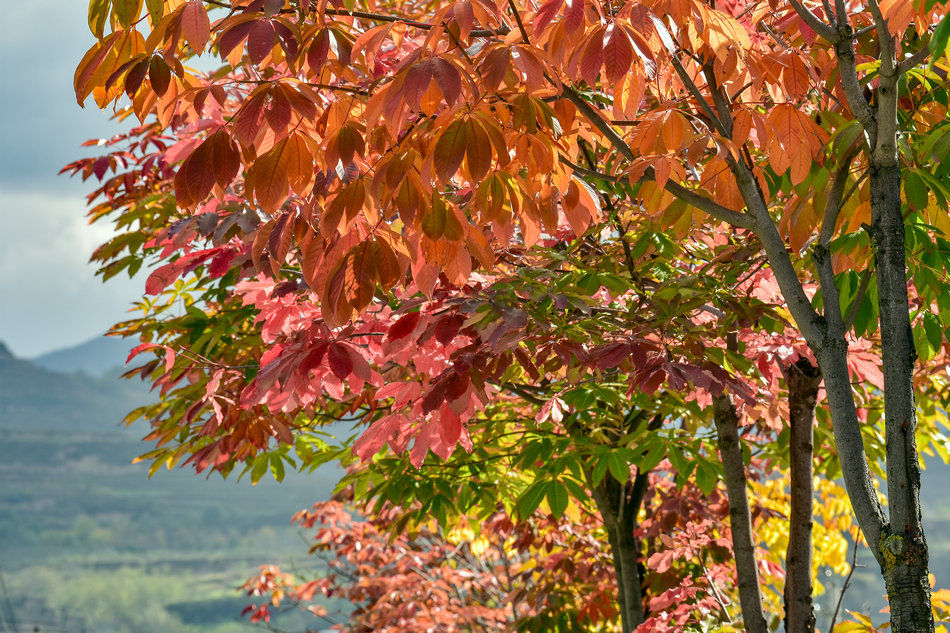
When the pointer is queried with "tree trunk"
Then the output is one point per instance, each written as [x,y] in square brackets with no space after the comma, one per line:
[619,504]
[903,547]
[743,543]
[803,380]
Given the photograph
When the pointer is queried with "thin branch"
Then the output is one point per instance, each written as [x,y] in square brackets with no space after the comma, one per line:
[689,196]
[816,24]
[603,126]
[719,99]
[916,58]
[694,90]
[829,13]
[514,11]
[844,587]
[378,17]
[836,197]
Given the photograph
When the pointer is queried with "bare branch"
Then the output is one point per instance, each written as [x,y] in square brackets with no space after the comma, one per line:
[836,197]
[885,40]
[913,60]
[694,90]
[844,587]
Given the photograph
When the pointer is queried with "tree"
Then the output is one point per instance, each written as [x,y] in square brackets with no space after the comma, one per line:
[384,152]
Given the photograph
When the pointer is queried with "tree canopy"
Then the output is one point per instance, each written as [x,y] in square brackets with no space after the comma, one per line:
[562,252]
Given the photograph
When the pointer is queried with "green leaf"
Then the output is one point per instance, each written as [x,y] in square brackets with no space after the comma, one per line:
[915,190]
[600,469]
[933,330]
[706,477]
[557,496]
[531,498]
[277,467]
[126,11]
[98,14]
[922,344]
[653,457]
[156,9]
[577,490]
[618,466]
[260,467]
[938,43]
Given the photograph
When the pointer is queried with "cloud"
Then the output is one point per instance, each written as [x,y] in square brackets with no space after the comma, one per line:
[50,294]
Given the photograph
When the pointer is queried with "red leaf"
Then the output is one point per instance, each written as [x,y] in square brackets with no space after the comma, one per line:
[618,53]
[434,397]
[195,25]
[196,176]
[373,439]
[447,329]
[403,327]
[447,78]
[161,278]
[545,14]
[260,41]
[339,359]
[592,57]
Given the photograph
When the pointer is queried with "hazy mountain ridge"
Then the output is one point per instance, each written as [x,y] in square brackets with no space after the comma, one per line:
[96,356]
[89,542]
[33,396]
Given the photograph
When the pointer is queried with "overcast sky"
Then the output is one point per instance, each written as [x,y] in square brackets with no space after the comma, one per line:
[49,297]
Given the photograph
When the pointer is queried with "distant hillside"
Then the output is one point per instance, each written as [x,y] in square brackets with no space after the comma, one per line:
[35,397]
[89,543]
[96,356]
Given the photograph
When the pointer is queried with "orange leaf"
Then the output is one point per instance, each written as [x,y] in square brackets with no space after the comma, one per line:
[618,53]
[299,164]
[195,25]
[450,148]
[270,176]
[478,153]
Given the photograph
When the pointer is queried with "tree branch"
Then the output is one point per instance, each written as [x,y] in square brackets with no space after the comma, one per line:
[689,196]
[916,58]
[836,198]
[816,24]
[803,380]
[693,89]
[740,519]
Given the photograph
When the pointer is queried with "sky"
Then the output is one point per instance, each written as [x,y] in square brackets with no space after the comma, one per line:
[49,295]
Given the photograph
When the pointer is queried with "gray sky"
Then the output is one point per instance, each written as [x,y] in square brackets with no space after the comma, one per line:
[49,297]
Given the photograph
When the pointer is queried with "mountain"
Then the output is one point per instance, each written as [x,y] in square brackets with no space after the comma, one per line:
[35,397]
[96,356]
[89,542]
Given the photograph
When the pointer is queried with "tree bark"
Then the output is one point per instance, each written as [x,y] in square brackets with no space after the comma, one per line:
[619,504]
[804,380]
[904,555]
[743,543]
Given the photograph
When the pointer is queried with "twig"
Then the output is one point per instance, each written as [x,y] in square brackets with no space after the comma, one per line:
[844,588]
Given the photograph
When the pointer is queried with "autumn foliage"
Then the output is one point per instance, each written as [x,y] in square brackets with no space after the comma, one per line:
[547,255]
